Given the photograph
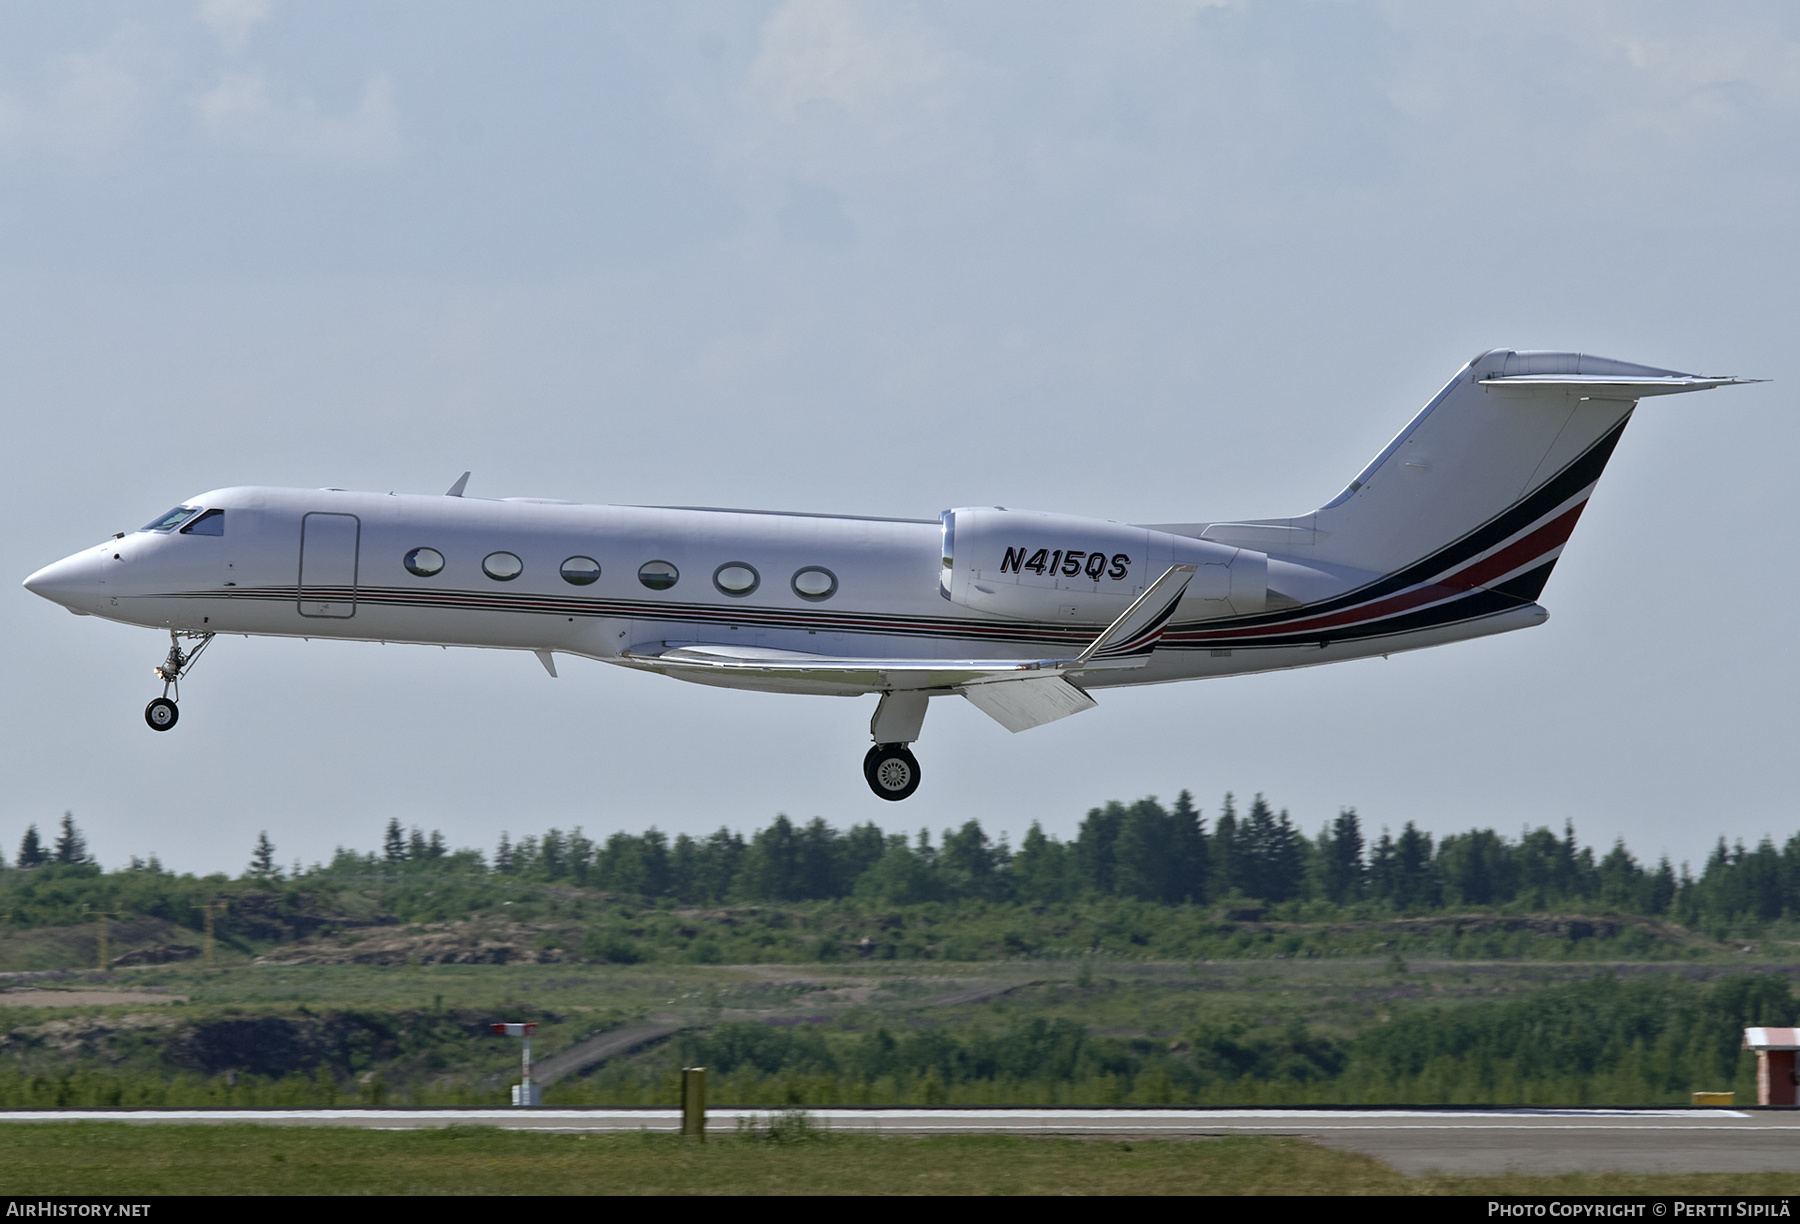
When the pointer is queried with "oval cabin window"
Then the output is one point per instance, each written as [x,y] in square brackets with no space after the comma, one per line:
[502,566]
[658,575]
[736,578]
[580,571]
[424,562]
[815,582]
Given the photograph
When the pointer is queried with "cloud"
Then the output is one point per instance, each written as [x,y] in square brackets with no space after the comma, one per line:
[1625,86]
[232,20]
[239,113]
[866,60]
[91,105]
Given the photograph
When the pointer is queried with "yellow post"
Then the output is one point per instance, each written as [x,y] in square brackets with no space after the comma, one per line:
[693,1102]
[102,915]
[208,910]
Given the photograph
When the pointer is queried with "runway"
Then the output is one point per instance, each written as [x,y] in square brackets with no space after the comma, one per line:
[1414,1141]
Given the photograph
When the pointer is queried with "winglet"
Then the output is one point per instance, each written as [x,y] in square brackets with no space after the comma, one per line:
[456,490]
[1139,626]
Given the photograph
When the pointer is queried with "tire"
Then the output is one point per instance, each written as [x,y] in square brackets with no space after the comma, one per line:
[891,771]
[161,714]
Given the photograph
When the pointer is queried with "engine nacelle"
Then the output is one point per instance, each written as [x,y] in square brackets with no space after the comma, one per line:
[1028,565]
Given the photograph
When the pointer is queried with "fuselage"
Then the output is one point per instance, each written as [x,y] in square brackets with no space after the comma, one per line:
[612,582]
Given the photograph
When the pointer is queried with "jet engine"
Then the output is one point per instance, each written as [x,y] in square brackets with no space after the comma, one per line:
[1028,565]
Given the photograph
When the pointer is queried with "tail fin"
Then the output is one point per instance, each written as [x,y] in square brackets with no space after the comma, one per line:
[1483,486]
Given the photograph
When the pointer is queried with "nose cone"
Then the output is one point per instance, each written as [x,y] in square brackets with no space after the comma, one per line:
[73,582]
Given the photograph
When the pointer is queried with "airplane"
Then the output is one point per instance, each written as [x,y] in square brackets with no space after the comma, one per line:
[1450,533]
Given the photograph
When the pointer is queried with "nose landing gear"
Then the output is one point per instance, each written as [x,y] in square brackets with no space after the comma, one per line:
[161,714]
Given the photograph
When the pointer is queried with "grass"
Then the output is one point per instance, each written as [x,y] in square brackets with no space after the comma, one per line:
[422,1028]
[81,1158]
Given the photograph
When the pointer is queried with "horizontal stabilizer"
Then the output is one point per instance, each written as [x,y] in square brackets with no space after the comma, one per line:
[1020,705]
[1601,386]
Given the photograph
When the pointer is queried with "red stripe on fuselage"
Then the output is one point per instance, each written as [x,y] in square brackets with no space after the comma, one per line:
[1552,535]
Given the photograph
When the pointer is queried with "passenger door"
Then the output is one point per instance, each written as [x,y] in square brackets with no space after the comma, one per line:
[328,548]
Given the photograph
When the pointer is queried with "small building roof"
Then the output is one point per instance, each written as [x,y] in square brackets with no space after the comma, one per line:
[1772,1039]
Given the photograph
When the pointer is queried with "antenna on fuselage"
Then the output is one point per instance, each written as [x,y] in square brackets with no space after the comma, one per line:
[456,490]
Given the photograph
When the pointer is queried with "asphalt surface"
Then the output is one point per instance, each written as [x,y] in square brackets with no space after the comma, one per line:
[584,1054]
[1413,1141]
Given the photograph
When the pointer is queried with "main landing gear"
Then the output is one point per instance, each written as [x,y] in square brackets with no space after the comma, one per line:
[162,713]
[892,771]
[891,768]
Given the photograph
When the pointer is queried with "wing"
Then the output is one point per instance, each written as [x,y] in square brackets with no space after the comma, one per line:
[997,686]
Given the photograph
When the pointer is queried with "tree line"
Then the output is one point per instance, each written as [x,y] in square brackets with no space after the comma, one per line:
[1143,850]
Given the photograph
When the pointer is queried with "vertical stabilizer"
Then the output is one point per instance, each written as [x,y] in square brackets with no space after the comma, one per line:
[1484,485]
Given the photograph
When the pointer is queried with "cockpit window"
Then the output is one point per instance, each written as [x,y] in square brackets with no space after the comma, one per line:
[172,520]
[210,523]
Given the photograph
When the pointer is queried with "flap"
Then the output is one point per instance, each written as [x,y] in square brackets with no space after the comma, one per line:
[869,675]
[1020,705]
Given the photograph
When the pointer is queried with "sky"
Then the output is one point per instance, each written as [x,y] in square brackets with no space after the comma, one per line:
[1152,260]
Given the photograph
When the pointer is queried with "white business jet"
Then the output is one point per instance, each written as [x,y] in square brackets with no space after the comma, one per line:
[1450,533]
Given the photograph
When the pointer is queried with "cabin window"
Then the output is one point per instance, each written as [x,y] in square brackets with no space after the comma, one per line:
[424,562]
[815,582]
[736,578]
[580,571]
[658,575]
[210,523]
[502,566]
[172,520]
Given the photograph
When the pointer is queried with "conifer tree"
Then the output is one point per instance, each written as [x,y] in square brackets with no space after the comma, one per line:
[1226,870]
[1621,879]
[1415,881]
[968,864]
[1382,881]
[1096,848]
[71,847]
[262,859]
[1192,866]
[1475,868]
[1041,869]
[720,866]
[772,862]
[1273,858]
[1143,854]
[1287,860]
[1342,847]
[393,843]
[816,861]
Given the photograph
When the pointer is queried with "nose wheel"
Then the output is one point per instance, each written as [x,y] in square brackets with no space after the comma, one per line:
[892,771]
[161,714]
